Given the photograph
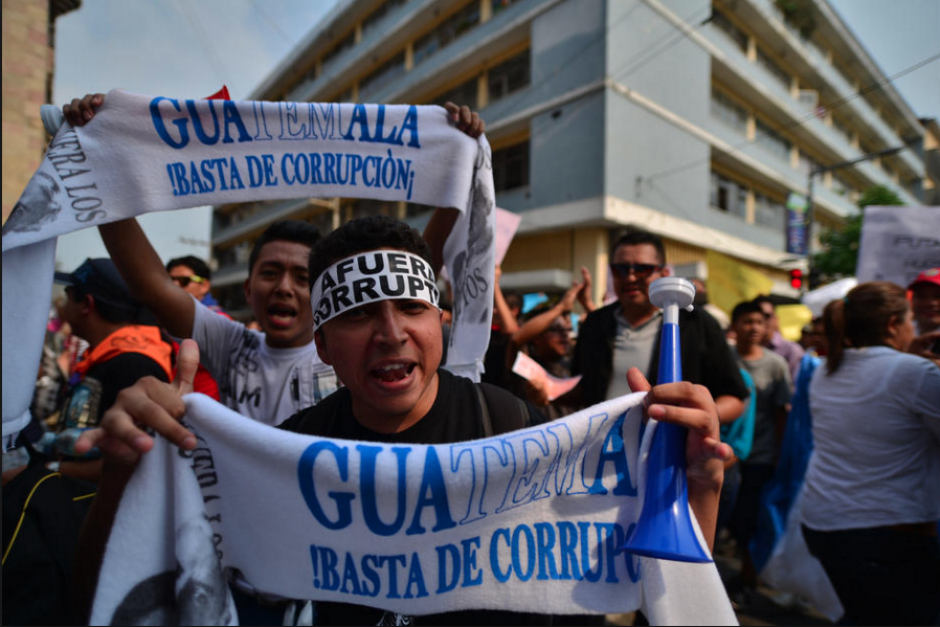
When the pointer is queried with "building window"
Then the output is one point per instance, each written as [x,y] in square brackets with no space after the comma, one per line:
[499,5]
[839,125]
[363,208]
[447,31]
[511,167]
[345,43]
[382,76]
[807,163]
[509,76]
[728,111]
[769,212]
[841,186]
[465,94]
[376,16]
[772,141]
[727,195]
[721,21]
[775,70]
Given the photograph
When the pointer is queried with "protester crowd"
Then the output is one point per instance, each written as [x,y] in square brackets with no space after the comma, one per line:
[855,406]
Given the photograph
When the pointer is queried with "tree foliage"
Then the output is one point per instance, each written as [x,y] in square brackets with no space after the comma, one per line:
[840,246]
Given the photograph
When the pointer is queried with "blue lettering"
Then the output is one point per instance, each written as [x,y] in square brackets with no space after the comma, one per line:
[261,122]
[371,575]
[392,561]
[350,576]
[545,534]
[288,111]
[368,455]
[411,125]
[326,125]
[523,575]
[161,128]
[416,579]
[254,171]
[269,178]
[432,493]
[613,451]
[206,139]
[590,575]
[329,559]
[567,541]
[501,577]
[231,116]
[359,117]
[443,584]
[305,476]
[470,546]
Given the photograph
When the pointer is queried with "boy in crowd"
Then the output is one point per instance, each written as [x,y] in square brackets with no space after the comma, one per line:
[387,352]
[771,376]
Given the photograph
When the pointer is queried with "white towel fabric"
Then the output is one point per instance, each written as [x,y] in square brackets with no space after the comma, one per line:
[25,314]
[144,153]
[506,522]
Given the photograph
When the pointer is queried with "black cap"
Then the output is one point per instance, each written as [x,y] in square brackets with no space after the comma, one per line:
[101,279]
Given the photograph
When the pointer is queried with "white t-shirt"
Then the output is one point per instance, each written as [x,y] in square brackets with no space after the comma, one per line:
[263,383]
[876,432]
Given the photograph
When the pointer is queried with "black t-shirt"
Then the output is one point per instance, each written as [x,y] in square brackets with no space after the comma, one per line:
[88,399]
[454,417]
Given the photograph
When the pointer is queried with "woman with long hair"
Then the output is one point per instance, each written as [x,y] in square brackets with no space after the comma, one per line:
[872,495]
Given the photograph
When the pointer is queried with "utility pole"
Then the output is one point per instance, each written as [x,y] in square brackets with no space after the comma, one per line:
[887,152]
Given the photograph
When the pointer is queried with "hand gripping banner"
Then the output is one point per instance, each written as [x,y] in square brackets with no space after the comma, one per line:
[144,153]
[530,521]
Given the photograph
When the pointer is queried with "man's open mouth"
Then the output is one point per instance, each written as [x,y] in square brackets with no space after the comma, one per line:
[281,314]
[392,372]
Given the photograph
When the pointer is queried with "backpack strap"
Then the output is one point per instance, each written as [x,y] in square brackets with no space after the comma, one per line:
[501,411]
[484,411]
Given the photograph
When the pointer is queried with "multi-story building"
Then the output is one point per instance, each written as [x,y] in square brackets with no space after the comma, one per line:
[695,119]
[28,63]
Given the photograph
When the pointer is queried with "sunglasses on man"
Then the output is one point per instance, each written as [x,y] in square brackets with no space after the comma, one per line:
[183,281]
[641,270]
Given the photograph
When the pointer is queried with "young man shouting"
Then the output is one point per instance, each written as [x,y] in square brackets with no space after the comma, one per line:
[376,321]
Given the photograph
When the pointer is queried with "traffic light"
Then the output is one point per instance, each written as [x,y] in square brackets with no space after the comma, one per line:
[796,279]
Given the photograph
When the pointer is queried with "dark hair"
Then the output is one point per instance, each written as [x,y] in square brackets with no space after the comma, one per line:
[861,318]
[760,300]
[513,300]
[369,233]
[284,231]
[745,308]
[111,313]
[637,238]
[197,265]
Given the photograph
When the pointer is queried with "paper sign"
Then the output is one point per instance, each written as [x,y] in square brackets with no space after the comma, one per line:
[530,370]
[898,243]
[507,223]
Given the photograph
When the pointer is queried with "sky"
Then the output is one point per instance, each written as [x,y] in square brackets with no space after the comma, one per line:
[186,49]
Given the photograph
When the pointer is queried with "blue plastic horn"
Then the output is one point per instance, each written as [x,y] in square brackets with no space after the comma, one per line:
[665,529]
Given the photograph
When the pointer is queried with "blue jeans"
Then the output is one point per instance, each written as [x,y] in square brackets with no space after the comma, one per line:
[883,576]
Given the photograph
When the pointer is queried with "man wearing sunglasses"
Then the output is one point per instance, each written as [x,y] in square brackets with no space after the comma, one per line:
[193,275]
[626,334]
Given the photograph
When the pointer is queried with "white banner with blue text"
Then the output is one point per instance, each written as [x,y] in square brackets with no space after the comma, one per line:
[144,153]
[530,521]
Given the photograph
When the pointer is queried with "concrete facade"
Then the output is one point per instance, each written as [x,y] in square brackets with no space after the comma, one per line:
[694,119]
[28,62]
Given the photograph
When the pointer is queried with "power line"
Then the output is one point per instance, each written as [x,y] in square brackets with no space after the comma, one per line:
[686,32]
[257,7]
[799,121]
[204,41]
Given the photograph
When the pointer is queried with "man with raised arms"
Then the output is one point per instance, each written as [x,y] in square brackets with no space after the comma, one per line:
[382,335]
[268,375]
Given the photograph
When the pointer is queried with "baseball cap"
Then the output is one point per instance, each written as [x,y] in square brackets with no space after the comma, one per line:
[931,275]
[101,279]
